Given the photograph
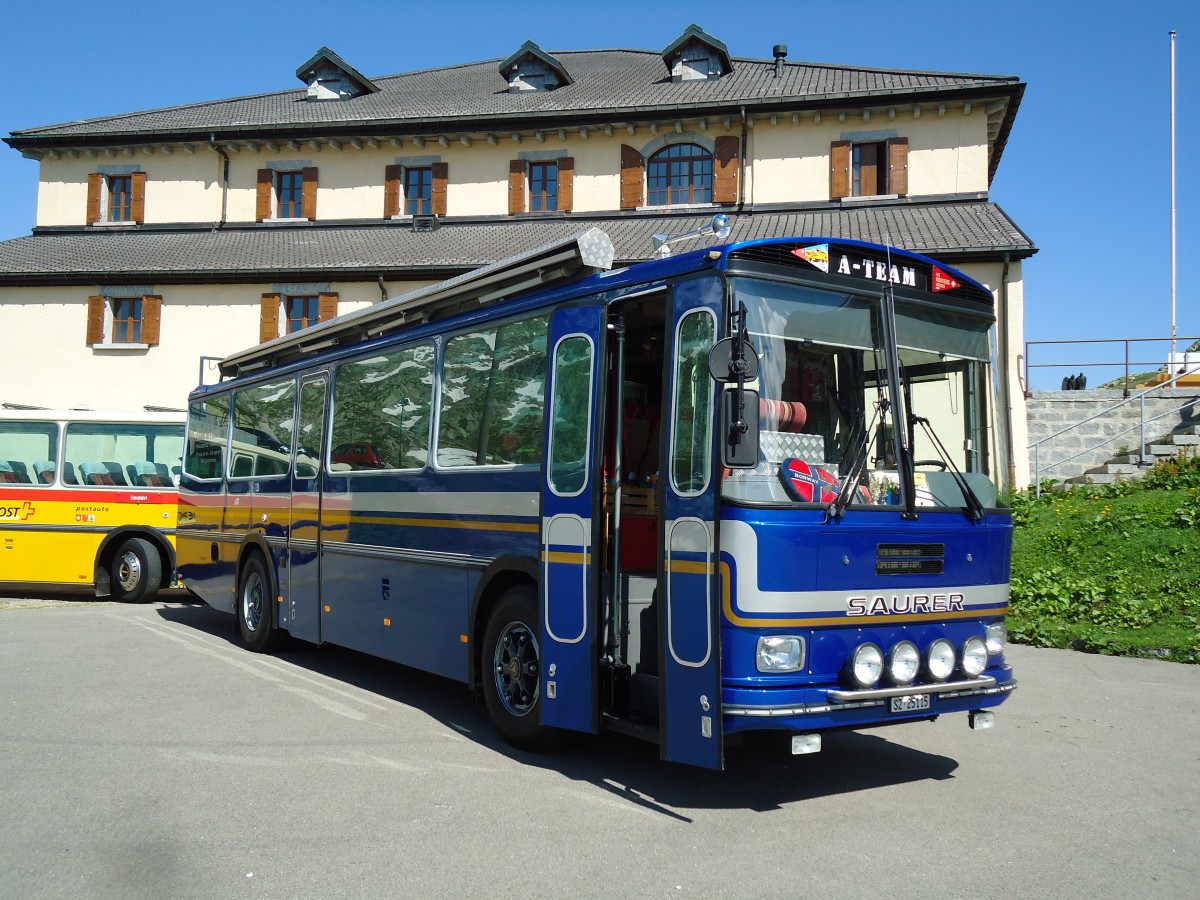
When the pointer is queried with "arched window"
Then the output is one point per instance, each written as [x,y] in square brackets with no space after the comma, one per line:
[679,174]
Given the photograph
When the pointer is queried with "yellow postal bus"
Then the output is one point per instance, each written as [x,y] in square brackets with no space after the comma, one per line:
[89,500]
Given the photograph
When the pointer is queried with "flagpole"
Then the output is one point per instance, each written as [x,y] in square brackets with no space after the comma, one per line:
[1173,263]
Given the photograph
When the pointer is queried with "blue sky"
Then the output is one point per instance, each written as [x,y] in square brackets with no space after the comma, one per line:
[1086,173]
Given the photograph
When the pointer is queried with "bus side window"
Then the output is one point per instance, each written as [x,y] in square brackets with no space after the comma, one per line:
[44,469]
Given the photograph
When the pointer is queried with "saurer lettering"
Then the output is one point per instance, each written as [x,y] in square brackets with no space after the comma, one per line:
[901,604]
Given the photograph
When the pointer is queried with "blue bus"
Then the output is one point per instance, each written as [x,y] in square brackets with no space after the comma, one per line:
[755,486]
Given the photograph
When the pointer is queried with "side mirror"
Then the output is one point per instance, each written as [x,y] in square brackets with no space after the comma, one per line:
[722,365]
[739,440]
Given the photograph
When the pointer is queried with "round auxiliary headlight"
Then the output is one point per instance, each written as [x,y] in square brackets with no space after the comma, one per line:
[904,662]
[866,665]
[939,659]
[974,657]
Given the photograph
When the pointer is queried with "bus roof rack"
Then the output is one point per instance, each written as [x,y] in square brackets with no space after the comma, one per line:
[571,258]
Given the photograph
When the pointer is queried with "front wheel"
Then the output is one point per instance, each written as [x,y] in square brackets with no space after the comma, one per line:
[512,671]
[254,608]
[136,571]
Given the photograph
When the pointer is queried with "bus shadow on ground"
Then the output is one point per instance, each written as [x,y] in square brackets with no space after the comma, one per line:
[760,772]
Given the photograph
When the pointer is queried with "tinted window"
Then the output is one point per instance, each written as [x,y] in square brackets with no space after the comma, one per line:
[381,411]
[493,396]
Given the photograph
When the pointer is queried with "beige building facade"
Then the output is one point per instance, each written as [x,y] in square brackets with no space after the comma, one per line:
[168,238]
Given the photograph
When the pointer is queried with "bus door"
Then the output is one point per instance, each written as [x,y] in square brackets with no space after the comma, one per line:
[302,602]
[570,551]
[689,609]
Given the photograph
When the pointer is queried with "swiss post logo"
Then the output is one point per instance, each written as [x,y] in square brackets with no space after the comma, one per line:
[17,513]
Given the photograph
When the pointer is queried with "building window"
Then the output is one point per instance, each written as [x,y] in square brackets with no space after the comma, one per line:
[120,198]
[289,195]
[680,174]
[868,172]
[301,312]
[126,320]
[286,194]
[117,197]
[295,312]
[543,186]
[869,168]
[418,191]
[122,321]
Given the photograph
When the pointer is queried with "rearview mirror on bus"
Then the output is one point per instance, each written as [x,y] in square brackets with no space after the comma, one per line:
[723,363]
[739,429]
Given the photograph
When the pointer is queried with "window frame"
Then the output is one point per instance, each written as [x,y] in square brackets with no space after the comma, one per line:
[118,203]
[288,183]
[132,324]
[547,198]
[311,303]
[424,176]
[700,167]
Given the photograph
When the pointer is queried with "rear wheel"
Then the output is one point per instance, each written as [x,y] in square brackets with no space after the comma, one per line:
[512,671]
[254,611]
[136,571]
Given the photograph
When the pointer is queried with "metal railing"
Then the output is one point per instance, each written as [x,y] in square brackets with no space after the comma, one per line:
[1165,360]
[1139,427]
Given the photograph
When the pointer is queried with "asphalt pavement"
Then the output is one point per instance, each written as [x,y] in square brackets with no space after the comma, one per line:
[143,753]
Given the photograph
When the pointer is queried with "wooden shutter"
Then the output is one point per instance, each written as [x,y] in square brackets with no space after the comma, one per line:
[898,166]
[308,207]
[266,188]
[137,197]
[391,191]
[725,170]
[95,186]
[95,321]
[151,317]
[327,306]
[839,170]
[268,320]
[633,177]
[441,177]
[566,183]
[516,186]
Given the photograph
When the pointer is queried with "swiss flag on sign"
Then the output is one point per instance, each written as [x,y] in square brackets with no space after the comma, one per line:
[942,281]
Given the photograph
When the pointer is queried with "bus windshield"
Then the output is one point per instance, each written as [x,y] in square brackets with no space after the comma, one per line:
[827,411]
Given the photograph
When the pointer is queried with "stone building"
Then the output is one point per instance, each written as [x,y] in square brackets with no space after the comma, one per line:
[169,237]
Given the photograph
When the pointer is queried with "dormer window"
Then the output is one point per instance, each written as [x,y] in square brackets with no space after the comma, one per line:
[532,69]
[329,77]
[696,56]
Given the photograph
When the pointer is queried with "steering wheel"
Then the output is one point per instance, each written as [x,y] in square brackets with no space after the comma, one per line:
[935,463]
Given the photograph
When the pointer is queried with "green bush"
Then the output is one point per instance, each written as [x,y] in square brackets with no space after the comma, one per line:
[1111,568]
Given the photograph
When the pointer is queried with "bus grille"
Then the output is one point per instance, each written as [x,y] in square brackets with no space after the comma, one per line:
[909,559]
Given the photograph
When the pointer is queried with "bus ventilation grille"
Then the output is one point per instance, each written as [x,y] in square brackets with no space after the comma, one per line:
[779,254]
[909,559]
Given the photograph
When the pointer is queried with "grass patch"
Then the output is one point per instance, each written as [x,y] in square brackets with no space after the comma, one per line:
[1111,569]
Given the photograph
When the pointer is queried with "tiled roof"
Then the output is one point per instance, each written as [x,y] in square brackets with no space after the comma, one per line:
[629,83]
[952,230]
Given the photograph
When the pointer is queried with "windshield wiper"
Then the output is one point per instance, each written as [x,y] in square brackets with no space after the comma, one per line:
[858,462]
[974,505]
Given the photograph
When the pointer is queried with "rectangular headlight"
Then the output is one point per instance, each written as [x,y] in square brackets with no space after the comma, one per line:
[780,653]
[997,637]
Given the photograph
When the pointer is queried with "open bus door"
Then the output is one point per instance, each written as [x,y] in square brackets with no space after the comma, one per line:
[570,552]
[688,612]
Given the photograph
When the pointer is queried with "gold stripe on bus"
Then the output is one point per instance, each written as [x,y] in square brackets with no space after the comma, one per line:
[568,558]
[688,567]
[854,621]
[530,528]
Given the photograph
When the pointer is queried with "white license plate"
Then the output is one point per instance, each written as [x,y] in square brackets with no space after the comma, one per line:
[910,703]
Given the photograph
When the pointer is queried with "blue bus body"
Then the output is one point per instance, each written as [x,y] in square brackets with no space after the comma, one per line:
[531,495]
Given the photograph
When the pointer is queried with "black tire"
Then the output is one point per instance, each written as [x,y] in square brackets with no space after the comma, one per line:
[511,664]
[136,571]
[255,609]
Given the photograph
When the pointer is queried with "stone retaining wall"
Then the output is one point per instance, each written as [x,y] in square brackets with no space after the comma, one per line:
[1049,412]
